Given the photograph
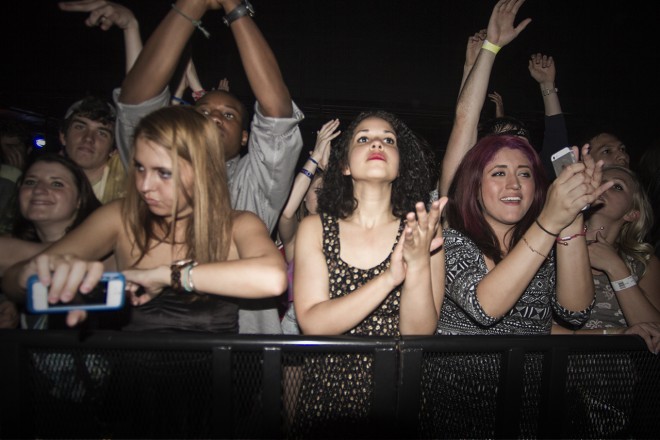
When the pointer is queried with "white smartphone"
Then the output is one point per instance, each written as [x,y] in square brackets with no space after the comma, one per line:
[561,159]
[107,295]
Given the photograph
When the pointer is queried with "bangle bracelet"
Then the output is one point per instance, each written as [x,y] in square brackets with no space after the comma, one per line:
[543,229]
[186,278]
[313,160]
[563,240]
[490,47]
[546,92]
[196,23]
[623,284]
[307,173]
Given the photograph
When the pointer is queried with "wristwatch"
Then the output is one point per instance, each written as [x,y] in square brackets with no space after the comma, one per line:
[175,276]
[245,8]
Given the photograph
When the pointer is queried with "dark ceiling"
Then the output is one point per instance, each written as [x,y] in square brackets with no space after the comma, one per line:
[341,56]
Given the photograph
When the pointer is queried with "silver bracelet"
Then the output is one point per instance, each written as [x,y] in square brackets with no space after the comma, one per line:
[623,284]
[196,23]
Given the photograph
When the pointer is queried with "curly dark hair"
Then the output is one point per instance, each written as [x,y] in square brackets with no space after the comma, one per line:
[413,184]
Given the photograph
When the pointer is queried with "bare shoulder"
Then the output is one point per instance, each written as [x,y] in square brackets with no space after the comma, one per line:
[310,225]
[246,219]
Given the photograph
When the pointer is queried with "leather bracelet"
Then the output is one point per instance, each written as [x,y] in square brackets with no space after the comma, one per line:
[245,8]
[544,230]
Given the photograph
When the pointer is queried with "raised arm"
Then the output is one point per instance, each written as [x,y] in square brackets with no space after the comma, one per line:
[501,32]
[105,14]
[471,51]
[555,137]
[288,223]
[260,65]
[159,58]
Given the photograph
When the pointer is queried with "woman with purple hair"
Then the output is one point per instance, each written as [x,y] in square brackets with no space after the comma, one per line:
[515,248]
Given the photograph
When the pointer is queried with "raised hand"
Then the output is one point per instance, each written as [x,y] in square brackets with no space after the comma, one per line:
[542,68]
[327,133]
[473,46]
[496,99]
[421,236]
[577,186]
[102,13]
[224,84]
[501,30]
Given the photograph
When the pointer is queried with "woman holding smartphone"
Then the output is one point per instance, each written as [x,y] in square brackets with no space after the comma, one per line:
[184,252]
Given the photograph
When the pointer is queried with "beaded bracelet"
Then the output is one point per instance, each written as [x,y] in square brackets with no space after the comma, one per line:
[307,173]
[563,240]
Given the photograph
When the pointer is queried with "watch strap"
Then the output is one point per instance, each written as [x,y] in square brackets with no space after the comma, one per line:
[238,12]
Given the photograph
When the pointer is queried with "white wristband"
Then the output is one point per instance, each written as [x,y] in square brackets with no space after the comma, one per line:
[623,284]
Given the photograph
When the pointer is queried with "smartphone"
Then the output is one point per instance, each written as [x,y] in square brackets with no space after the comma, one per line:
[107,295]
[561,159]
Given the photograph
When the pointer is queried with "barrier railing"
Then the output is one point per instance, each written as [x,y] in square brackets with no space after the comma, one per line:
[182,385]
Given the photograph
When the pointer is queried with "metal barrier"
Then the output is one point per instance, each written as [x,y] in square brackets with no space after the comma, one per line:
[183,385]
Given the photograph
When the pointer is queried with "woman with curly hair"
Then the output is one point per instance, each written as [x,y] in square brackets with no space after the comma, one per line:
[362,264]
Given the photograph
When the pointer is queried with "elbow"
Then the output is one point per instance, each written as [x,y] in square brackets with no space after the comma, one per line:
[277,281]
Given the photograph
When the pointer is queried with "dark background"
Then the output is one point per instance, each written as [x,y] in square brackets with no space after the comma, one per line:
[339,57]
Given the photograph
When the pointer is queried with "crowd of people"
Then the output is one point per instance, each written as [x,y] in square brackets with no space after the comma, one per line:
[161,189]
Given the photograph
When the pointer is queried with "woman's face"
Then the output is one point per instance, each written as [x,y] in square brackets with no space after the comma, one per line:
[617,202]
[155,181]
[374,151]
[507,188]
[49,194]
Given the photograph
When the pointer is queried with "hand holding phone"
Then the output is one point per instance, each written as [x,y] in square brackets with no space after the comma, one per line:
[108,294]
[562,159]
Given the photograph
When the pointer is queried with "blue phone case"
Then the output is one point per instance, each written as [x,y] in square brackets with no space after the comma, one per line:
[37,296]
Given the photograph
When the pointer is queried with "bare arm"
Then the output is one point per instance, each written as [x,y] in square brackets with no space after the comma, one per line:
[473,94]
[258,272]
[158,60]
[318,314]
[499,290]
[423,290]
[639,303]
[288,223]
[20,250]
[260,66]
[65,263]
[105,14]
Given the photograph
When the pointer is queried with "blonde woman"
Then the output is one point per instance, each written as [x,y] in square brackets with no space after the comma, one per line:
[174,237]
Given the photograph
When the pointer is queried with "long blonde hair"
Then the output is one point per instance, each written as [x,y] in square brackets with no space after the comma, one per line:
[630,241]
[191,137]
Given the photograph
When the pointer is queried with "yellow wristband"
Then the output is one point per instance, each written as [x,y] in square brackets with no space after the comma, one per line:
[490,47]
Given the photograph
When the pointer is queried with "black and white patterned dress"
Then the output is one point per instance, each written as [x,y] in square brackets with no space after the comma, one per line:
[462,314]
[336,390]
